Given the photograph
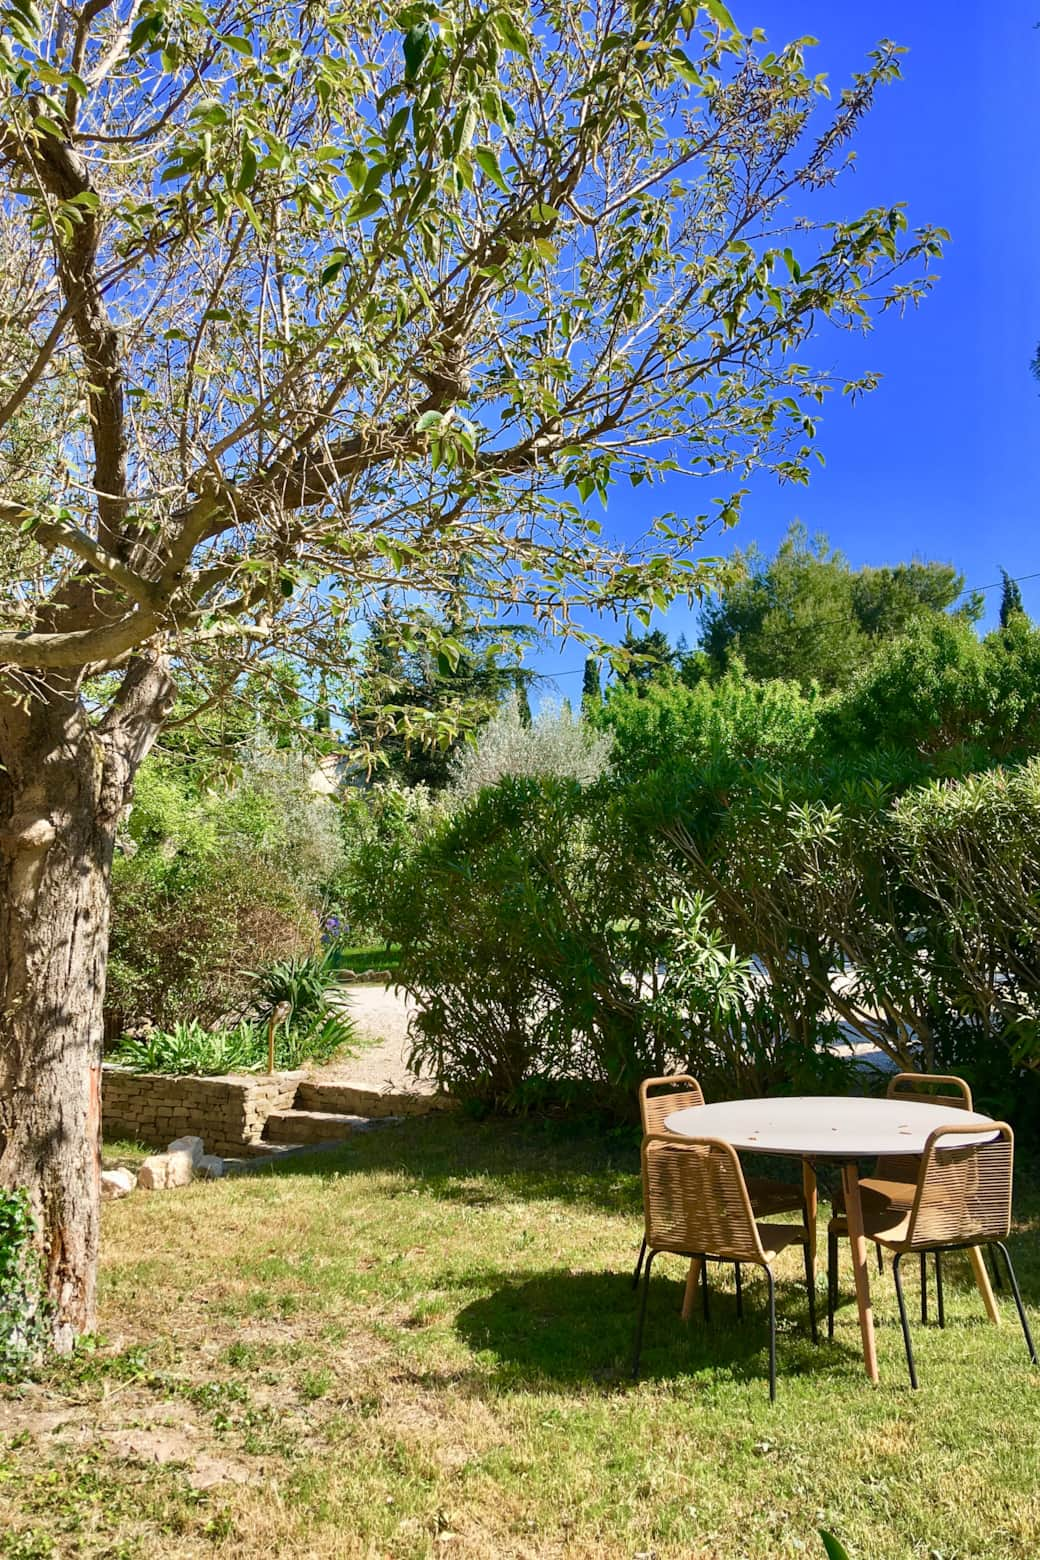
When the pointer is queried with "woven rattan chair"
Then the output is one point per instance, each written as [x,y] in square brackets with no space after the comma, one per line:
[894,1179]
[962,1198]
[662,1097]
[696,1204]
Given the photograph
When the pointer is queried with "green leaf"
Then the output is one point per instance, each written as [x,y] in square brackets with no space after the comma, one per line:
[247,172]
[146,30]
[835,1551]
[487,160]
[416,48]
[510,36]
[332,270]
[366,207]
[238,44]
[397,124]
[718,13]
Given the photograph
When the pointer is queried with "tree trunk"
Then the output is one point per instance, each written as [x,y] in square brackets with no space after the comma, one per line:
[63,785]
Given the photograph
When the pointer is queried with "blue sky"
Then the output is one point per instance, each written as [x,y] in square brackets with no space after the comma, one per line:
[943,459]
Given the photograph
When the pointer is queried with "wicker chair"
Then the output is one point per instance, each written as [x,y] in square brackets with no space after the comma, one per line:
[662,1097]
[962,1198]
[894,1179]
[696,1204]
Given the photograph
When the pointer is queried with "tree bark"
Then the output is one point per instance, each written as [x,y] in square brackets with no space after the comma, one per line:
[64,783]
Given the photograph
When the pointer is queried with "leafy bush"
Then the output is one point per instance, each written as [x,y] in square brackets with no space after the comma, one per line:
[519,936]
[383,826]
[22,1307]
[190,1048]
[734,719]
[208,883]
[556,743]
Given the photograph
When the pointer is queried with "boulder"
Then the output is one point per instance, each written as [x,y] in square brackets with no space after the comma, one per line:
[187,1145]
[160,1171]
[210,1167]
[152,1175]
[117,1183]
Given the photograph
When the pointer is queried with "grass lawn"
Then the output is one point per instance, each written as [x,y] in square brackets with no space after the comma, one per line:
[418,1346]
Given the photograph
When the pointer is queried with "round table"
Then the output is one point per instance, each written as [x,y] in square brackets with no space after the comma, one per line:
[813,1127]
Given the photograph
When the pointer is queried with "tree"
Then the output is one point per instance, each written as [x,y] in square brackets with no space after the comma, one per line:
[1010,599]
[591,691]
[298,309]
[413,704]
[804,613]
[645,659]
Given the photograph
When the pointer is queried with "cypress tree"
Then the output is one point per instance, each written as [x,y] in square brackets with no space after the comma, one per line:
[591,693]
[1010,599]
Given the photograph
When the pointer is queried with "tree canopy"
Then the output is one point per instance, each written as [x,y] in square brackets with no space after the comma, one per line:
[304,307]
[805,613]
[301,306]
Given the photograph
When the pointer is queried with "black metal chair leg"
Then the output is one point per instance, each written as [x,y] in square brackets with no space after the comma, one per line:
[998,1277]
[832,1282]
[1020,1308]
[639,1264]
[772,1335]
[903,1320]
[740,1291]
[810,1284]
[880,1260]
[705,1306]
[924,1287]
[642,1316]
[939,1289]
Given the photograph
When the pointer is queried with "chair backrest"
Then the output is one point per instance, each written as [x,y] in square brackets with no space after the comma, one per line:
[963,1194]
[920,1089]
[661,1097]
[695,1198]
[930,1089]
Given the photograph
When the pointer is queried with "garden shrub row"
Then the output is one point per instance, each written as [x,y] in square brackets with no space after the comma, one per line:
[782,877]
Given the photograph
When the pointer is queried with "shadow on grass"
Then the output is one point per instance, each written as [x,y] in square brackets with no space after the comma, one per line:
[559,1330]
[481,1163]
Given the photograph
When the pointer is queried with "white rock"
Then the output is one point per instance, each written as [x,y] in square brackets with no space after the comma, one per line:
[117,1183]
[210,1167]
[152,1174]
[164,1170]
[180,1167]
[187,1145]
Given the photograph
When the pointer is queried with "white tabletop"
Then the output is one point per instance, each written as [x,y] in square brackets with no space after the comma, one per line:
[823,1126]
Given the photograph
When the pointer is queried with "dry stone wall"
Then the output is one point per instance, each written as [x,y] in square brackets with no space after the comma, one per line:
[228,1113]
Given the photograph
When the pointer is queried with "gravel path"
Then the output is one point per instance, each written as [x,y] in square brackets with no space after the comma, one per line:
[380,1014]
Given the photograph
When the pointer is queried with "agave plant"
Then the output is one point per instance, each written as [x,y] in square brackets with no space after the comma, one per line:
[317,1024]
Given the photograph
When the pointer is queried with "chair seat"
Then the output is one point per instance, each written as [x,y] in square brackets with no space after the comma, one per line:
[769,1196]
[777,1237]
[878,1209]
[894,1191]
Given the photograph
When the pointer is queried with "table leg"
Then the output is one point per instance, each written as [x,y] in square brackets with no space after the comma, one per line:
[858,1245]
[690,1293]
[982,1283]
[811,1203]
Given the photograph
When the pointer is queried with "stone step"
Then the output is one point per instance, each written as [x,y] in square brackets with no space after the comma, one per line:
[307,1126]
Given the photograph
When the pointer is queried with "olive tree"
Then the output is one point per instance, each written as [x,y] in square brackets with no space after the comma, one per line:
[306,305]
